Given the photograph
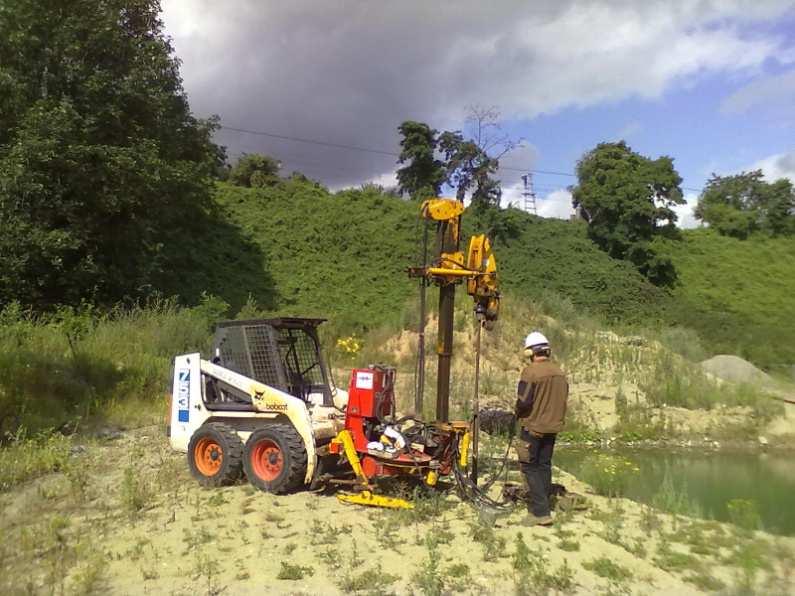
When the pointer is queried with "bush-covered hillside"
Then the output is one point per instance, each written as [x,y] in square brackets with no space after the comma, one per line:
[298,249]
[738,294]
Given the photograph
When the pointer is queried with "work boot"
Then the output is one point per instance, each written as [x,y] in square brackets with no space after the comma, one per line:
[534,520]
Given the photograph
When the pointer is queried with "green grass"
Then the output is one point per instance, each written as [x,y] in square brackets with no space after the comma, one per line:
[103,368]
[25,459]
[738,295]
[604,567]
[303,250]
[292,572]
[344,256]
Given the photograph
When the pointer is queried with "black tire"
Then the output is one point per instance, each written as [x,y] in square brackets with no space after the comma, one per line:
[275,458]
[215,455]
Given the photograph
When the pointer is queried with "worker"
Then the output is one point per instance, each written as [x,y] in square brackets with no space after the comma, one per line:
[542,394]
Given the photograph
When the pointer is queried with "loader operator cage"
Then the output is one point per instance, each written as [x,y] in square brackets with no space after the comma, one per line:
[283,353]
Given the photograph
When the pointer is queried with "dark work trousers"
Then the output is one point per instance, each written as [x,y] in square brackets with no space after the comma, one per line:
[538,471]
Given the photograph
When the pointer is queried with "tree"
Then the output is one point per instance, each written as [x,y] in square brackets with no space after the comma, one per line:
[472,163]
[742,204]
[627,200]
[463,159]
[255,170]
[468,164]
[101,161]
[423,176]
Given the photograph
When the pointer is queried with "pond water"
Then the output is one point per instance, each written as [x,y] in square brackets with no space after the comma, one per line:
[709,479]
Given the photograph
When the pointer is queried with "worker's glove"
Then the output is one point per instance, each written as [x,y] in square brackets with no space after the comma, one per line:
[496,422]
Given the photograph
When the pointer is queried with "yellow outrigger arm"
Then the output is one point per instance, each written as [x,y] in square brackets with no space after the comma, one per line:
[365,496]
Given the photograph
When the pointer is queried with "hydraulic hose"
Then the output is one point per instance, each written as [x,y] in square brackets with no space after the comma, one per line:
[478,495]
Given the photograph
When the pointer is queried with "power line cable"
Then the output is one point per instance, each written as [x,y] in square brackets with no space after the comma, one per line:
[310,141]
[388,153]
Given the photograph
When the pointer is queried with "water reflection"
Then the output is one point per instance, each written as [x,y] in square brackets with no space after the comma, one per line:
[710,480]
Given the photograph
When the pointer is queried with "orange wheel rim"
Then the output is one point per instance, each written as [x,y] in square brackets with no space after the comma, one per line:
[267,460]
[209,455]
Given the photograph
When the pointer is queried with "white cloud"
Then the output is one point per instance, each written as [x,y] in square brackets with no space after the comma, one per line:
[351,72]
[553,204]
[686,218]
[387,180]
[556,204]
[781,165]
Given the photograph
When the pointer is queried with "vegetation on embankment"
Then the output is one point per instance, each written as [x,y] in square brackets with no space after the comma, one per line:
[643,387]
[344,256]
[76,365]
[738,295]
[300,249]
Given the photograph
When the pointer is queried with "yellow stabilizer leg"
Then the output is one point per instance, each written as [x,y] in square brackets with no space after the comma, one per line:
[367,498]
[464,449]
[346,439]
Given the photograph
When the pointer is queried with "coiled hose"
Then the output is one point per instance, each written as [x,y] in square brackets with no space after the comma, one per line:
[478,495]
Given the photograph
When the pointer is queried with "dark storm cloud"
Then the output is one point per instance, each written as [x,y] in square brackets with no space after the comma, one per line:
[350,72]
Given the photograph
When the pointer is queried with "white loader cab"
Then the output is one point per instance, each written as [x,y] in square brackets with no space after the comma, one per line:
[263,405]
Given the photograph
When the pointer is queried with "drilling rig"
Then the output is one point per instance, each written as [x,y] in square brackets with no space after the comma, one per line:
[264,405]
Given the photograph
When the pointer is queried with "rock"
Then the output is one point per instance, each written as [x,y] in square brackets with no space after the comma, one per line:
[109,434]
[77,450]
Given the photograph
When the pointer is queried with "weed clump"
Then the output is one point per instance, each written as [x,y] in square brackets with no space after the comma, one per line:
[532,575]
[136,492]
[292,572]
[604,567]
[744,514]
[429,578]
[372,581]
[493,545]
[27,458]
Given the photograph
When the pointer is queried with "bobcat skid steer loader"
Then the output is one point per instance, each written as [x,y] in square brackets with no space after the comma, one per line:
[263,405]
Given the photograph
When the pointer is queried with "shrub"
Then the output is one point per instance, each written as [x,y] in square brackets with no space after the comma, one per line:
[76,363]
[292,572]
[744,514]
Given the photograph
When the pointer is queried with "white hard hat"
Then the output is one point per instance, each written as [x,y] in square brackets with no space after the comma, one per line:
[535,339]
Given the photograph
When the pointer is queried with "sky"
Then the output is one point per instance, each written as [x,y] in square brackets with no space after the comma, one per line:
[709,83]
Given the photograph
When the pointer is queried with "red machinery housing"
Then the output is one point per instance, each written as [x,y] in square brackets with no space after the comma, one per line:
[371,407]
[371,400]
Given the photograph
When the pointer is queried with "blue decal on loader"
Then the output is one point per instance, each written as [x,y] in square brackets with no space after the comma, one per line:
[183,394]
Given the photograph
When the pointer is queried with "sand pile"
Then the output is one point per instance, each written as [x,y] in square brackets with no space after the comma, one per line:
[735,369]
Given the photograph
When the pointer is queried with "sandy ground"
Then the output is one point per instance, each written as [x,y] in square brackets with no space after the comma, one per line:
[81,532]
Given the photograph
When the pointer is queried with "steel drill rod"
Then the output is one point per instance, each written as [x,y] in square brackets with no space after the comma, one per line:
[445,351]
[419,394]
[476,405]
